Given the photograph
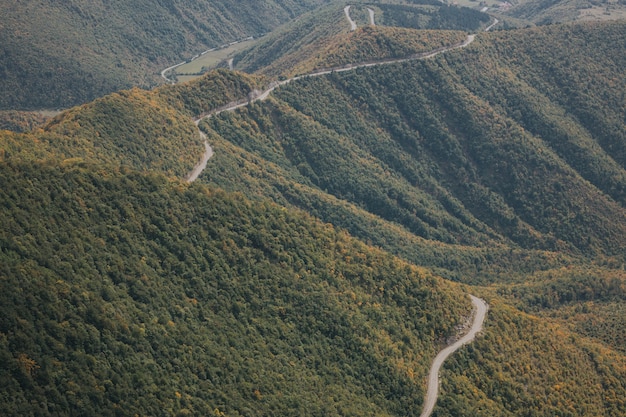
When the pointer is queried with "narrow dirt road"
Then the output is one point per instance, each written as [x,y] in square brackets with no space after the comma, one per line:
[346,10]
[495,22]
[168,69]
[371,12]
[480,313]
[264,94]
[201,165]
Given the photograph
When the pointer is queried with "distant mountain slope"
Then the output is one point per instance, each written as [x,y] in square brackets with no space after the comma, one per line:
[59,54]
[323,39]
[549,11]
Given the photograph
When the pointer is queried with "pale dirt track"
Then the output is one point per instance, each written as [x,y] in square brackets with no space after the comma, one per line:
[433,378]
[264,94]
[346,10]
[371,12]
[208,153]
[260,96]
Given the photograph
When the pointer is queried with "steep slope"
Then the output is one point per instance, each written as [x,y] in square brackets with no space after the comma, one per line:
[127,293]
[58,54]
[571,96]
[461,149]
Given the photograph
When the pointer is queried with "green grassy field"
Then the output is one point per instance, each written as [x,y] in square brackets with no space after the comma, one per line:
[210,59]
[612,10]
[492,5]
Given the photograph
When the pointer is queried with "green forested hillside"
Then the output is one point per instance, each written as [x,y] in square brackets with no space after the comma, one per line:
[59,54]
[302,273]
[131,293]
[323,39]
[128,293]
[528,366]
[471,147]
[429,14]
[547,12]
[138,129]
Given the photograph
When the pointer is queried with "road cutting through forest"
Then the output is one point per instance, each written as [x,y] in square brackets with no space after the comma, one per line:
[371,13]
[479,304]
[264,94]
[480,312]
[208,153]
[192,176]
[346,10]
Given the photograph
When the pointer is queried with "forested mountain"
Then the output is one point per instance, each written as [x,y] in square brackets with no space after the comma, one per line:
[117,283]
[323,40]
[511,141]
[311,268]
[61,53]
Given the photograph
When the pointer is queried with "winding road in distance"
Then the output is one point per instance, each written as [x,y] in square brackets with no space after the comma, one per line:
[208,153]
[193,175]
[346,10]
[480,313]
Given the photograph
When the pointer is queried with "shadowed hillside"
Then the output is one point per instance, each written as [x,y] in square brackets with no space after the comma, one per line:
[488,145]
[59,54]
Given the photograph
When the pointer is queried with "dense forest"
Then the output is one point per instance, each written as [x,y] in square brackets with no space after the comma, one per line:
[323,40]
[59,54]
[326,253]
[504,143]
[117,282]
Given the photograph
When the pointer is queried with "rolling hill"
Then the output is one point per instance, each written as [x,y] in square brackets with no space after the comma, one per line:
[503,143]
[327,251]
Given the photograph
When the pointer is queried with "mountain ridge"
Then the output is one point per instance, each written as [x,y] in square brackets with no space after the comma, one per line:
[304,271]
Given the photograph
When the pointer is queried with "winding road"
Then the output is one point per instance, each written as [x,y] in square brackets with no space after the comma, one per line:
[480,306]
[480,312]
[265,94]
[193,175]
[371,12]
[495,22]
[208,153]
[346,10]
